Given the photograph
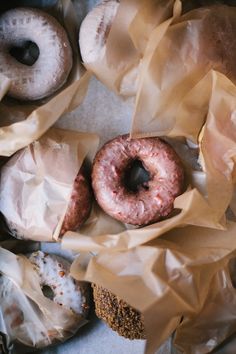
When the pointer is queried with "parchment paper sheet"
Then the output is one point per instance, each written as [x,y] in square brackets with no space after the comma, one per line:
[169,100]
[118,67]
[36,183]
[22,123]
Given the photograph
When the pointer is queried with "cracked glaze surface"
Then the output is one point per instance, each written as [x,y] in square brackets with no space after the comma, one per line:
[154,200]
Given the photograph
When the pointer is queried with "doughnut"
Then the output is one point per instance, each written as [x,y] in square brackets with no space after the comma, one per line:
[93,35]
[71,297]
[15,206]
[117,314]
[152,200]
[80,204]
[95,29]
[56,282]
[25,34]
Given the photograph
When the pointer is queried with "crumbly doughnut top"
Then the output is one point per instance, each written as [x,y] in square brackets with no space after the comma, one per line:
[121,317]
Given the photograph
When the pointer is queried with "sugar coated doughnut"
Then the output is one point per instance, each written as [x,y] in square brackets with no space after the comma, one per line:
[94,30]
[118,315]
[69,300]
[153,200]
[23,29]
[93,35]
[56,282]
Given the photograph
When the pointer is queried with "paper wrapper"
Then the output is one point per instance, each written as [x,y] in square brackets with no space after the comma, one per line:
[22,122]
[42,175]
[174,102]
[181,276]
[26,315]
[118,66]
[210,103]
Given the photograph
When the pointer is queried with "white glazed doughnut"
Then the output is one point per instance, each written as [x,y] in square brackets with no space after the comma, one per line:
[39,319]
[51,69]
[93,36]
[54,274]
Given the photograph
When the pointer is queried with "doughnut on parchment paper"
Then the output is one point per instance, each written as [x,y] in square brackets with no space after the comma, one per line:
[113,38]
[102,232]
[37,182]
[27,316]
[23,123]
[210,176]
[178,282]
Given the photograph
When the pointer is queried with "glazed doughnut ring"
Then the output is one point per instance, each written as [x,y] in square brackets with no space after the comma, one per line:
[152,200]
[25,27]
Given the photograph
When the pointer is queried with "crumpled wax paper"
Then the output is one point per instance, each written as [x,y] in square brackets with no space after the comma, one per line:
[179,281]
[173,96]
[118,67]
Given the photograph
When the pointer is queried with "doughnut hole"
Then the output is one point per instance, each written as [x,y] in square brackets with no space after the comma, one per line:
[48,292]
[26,52]
[136,176]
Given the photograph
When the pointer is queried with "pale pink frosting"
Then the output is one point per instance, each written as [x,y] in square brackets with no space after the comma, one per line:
[151,202]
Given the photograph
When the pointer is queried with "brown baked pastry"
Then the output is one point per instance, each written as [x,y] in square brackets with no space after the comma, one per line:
[80,203]
[152,200]
[121,317]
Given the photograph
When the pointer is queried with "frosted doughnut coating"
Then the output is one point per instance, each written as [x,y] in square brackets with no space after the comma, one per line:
[54,272]
[50,71]
[94,30]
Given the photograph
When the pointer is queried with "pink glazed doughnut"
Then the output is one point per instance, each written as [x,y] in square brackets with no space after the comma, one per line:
[21,27]
[153,200]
